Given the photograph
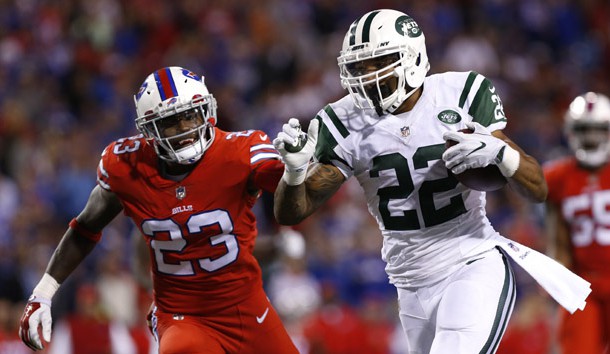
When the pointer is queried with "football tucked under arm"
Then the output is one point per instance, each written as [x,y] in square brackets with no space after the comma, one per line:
[486,179]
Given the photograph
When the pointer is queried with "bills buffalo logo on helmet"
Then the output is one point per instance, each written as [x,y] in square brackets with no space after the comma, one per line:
[191,75]
[141,90]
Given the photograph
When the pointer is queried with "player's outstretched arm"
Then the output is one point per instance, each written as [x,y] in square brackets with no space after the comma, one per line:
[559,246]
[304,186]
[101,208]
[292,204]
[78,241]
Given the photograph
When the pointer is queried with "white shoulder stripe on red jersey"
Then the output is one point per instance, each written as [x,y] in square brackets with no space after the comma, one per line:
[103,174]
[102,169]
[261,152]
[261,146]
[104,185]
[264,156]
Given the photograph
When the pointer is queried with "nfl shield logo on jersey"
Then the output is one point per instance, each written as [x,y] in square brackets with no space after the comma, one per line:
[405,131]
[180,192]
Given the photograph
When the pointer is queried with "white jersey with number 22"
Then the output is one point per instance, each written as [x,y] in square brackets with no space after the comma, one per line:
[429,221]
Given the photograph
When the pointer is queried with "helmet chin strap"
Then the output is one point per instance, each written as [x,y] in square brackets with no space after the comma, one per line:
[398,103]
[376,100]
[402,97]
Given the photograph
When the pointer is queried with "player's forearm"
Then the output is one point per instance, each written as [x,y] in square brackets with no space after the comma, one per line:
[70,252]
[295,203]
[290,204]
[528,180]
[557,235]
[140,262]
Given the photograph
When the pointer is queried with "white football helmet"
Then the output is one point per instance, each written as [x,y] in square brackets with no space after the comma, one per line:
[396,39]
[587,127]
[165,93]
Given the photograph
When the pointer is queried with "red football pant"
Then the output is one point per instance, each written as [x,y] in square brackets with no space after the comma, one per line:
[251,327]
[587,331]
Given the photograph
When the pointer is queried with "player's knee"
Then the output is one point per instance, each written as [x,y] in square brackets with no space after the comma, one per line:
[455,342]
[180,341]
[461,307]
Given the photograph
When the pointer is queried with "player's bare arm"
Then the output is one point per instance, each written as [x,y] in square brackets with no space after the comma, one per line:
[528,179]
[101,208]
[558,235]
[295,203]
[78,241]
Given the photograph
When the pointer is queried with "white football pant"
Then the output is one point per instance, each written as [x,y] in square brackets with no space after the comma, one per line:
[466,313]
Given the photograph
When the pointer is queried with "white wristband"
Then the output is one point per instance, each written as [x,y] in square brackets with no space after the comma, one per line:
[294,178]
[510,162]
[46,288]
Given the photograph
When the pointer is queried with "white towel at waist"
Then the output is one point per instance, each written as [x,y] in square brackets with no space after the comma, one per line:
[567,288]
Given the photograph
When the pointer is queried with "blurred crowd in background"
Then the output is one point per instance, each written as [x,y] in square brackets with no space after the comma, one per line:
[68,72]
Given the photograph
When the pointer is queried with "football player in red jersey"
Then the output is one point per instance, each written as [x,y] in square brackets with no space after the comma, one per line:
[189,187]
[578,215]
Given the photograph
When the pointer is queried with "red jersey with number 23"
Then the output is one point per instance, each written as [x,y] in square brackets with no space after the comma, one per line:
[200,230]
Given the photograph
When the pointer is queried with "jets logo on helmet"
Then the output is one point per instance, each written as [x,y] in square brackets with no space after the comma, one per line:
[169,93]
[407,26]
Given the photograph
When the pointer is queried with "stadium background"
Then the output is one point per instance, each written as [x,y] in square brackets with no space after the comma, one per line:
[68,71]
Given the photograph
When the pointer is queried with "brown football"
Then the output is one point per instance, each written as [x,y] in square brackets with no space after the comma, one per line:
[484,179]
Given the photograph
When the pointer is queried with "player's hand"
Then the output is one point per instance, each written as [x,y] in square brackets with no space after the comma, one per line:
[296,148]
[37,312]
[474,150]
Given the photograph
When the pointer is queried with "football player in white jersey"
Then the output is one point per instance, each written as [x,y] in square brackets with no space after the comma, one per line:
[456,290]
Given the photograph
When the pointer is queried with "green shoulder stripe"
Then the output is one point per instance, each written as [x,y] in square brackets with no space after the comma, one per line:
[486,107]
[467,87]
[325,148]
[336,121]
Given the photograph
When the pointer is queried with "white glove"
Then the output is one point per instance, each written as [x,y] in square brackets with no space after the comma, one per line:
[475,150]
[37,312]
[297,159]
